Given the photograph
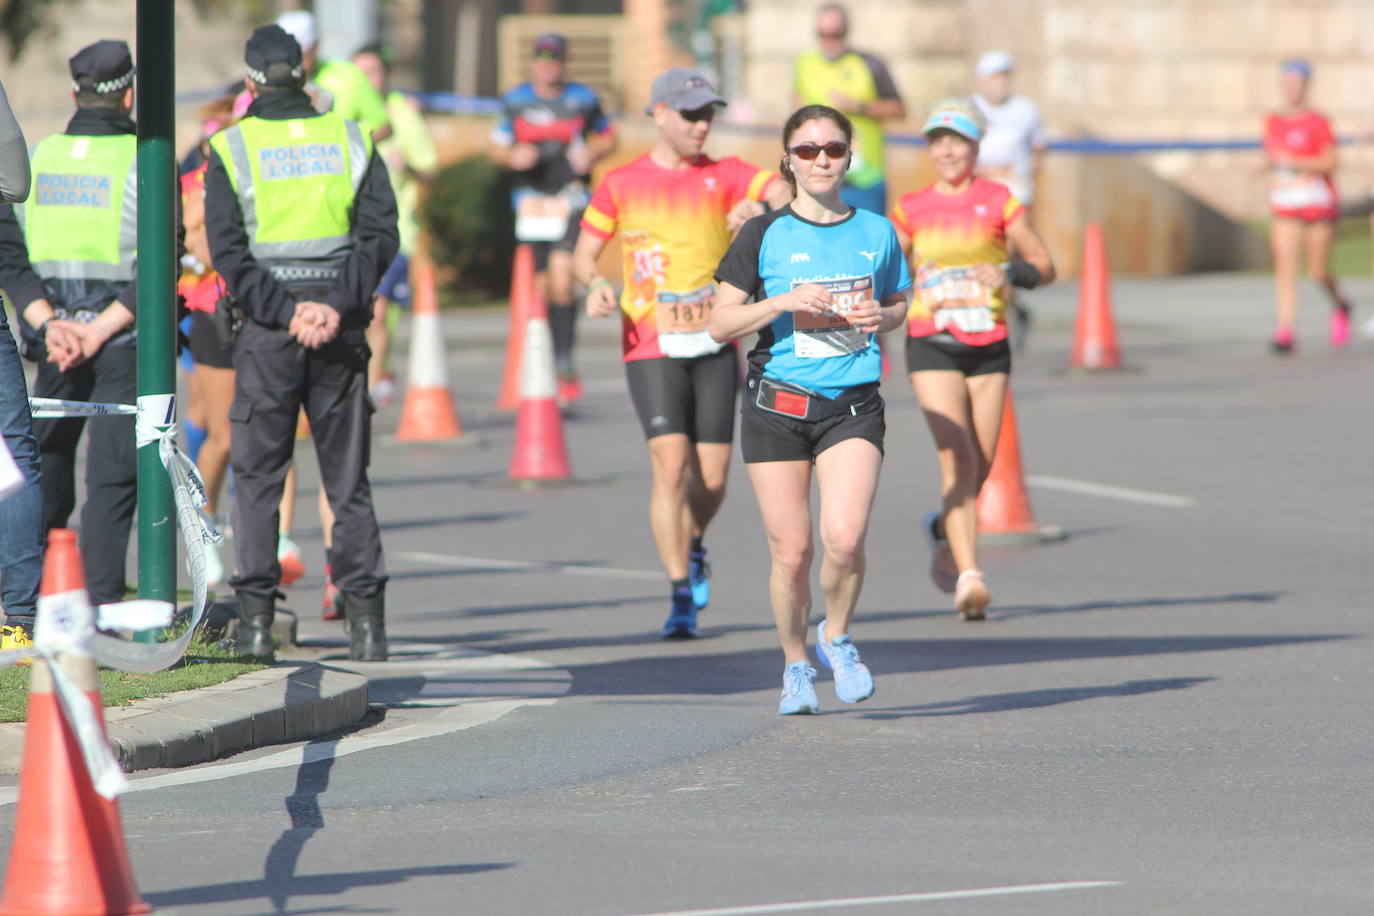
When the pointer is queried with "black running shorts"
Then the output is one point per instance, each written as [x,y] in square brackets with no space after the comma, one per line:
[768,436]
[205,346]
[946,352]
[692,396]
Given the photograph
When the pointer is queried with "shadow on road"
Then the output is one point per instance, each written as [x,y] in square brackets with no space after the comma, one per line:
[749,670]
[1033,699]
[1132,604]
[312,885]
[280,882]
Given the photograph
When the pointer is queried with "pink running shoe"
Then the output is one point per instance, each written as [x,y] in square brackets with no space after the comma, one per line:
[1283,340]
[1340,325]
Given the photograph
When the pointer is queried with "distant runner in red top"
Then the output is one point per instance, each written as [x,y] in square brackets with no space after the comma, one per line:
[1301,155]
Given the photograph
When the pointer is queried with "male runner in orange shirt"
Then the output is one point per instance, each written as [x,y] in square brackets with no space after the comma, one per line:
[675,210]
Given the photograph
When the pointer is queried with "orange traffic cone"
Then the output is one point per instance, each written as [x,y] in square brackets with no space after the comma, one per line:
[1004,509]
[68,856]
[522,296]
[1094,340]
[428,414]
[539,450]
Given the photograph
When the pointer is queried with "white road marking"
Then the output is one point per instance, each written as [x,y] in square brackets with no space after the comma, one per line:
[563,569]
[462,713]
[898,898]
[1106,491]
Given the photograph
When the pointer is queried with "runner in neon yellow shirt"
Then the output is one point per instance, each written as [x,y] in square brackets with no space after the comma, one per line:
[859,85]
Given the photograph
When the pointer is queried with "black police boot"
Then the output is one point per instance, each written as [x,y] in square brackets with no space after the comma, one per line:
[254,636]
[366,627]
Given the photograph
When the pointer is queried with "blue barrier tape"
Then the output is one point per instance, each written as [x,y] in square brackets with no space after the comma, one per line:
[453,103]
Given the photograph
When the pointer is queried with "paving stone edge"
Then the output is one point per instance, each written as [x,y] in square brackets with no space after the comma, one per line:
[289,701]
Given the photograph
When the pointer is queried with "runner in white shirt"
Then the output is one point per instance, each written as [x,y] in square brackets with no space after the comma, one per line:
[1010,151]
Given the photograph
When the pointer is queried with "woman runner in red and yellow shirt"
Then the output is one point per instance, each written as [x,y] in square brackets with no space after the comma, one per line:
[1300,152]
[957,232]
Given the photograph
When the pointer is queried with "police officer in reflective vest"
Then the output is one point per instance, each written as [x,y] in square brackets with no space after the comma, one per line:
[70,273]
[301,223]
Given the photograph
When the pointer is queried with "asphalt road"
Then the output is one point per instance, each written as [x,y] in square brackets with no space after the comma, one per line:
[1167,713]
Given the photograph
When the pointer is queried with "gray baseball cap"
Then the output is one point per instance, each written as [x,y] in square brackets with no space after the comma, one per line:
[683,89]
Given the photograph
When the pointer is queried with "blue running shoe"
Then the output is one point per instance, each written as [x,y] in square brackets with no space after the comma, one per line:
[699,574]
[682,618]
[799,691]
[853,682]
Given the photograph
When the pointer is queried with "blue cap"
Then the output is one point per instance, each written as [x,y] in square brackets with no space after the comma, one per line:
[1297,65]
[954,117]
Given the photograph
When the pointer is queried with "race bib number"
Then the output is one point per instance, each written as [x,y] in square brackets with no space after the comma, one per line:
[830,335]
[681,319]
[545,217]
[1293,190]
[955,299]
[541,217]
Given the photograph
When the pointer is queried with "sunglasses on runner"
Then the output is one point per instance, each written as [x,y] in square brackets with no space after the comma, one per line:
[704,113]
[809,151]
[832,36]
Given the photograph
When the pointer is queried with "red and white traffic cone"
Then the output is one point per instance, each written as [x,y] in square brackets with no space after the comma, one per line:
[540,453]
[522,296]
[428,414]
[1004,509]
[69,855]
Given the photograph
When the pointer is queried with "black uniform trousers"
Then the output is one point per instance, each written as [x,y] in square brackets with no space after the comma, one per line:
[110,377]
[274,376]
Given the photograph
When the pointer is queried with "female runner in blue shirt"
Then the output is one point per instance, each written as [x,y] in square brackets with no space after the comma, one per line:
[824,278]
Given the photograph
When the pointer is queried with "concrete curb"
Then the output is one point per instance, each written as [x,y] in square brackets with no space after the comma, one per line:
[289,701]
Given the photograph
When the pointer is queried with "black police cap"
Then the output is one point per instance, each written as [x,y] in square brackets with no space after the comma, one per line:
[105,67]
[273,58]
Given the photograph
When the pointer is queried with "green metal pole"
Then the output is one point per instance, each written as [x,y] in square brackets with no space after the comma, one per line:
[157,276]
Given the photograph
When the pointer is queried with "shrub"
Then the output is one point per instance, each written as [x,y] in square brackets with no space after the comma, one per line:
[467,213]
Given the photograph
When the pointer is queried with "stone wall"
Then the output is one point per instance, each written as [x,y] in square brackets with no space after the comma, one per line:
[1157,70]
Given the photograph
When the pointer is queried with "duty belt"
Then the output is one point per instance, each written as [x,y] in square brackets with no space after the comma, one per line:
[283,274]
[801,403]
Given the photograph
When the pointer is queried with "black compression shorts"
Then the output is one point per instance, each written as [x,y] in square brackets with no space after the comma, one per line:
[567,243]
[694,396]
[205,346]
[768,436]
[945,352]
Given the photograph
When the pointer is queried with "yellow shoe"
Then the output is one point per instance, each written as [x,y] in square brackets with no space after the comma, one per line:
[15,637]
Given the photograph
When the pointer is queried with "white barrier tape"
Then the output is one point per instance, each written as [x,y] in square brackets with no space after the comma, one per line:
[154,422]
[196,531]
[16,656]
[139,614]
[64,625]
[85,715]
[57,408]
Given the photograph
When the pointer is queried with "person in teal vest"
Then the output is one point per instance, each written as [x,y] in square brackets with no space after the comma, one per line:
[73,282]
[859,85]
[301,223]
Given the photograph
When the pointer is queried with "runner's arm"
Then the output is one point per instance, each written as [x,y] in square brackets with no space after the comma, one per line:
[889,104]
[1323,163]
[733,315]
[1029,248]
[15,176]
[600,294]
[778,194]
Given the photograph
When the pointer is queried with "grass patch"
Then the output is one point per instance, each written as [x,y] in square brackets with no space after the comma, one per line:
[203,665]
[1352,254]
